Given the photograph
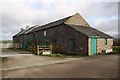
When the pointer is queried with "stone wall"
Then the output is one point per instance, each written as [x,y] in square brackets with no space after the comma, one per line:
[102,46]
[17,45]
[60,39]
[6,45]
[89,46]
[77,19]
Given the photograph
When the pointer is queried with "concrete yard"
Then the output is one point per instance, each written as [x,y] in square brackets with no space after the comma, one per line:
[33,66]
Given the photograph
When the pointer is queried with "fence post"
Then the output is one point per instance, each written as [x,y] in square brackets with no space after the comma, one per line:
[38,52]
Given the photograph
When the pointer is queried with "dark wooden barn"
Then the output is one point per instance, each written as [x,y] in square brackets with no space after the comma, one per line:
[71,35]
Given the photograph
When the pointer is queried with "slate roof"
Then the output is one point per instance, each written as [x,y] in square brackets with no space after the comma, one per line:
[19,33]
[25,31]
[30,29]
[52,24]
[89,31]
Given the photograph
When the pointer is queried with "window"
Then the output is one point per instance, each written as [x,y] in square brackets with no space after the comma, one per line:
[45,33]
[73,43]
[105,41]
[47,44]
[41,44]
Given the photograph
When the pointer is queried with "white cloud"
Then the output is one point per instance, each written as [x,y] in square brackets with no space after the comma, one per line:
[19,13]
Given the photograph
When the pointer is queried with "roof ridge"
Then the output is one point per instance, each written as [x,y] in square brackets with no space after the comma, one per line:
[54,23]
[58,22]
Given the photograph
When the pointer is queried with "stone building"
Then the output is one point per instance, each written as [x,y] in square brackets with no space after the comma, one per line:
[70,35]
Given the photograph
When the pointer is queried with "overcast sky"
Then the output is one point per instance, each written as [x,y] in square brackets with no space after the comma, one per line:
[17,14]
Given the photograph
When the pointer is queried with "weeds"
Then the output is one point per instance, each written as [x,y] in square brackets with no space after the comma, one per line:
[116,48]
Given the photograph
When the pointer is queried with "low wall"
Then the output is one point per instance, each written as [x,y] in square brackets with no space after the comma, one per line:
[9,45]
[6,45]
[17,45]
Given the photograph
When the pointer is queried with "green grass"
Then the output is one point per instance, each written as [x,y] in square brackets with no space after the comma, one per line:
[116,48]
[25,53]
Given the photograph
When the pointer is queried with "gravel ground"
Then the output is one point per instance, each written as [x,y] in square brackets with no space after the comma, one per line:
[101,66]
[26,61]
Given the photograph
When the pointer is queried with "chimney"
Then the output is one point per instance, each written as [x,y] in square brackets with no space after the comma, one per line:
[27,27]
[22,29]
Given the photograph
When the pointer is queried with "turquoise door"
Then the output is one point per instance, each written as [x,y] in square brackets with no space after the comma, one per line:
[93,46]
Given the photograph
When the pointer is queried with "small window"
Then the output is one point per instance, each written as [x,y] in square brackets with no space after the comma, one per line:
[105,41]
[41,44]
[73,43]
[45,33]
[47,44]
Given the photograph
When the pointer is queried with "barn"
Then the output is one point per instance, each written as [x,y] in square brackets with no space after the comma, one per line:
[70,35]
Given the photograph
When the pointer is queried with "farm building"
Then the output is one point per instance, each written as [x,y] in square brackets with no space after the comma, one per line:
[71,35]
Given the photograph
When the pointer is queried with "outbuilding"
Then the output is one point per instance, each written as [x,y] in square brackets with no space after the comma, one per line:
[70,35]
